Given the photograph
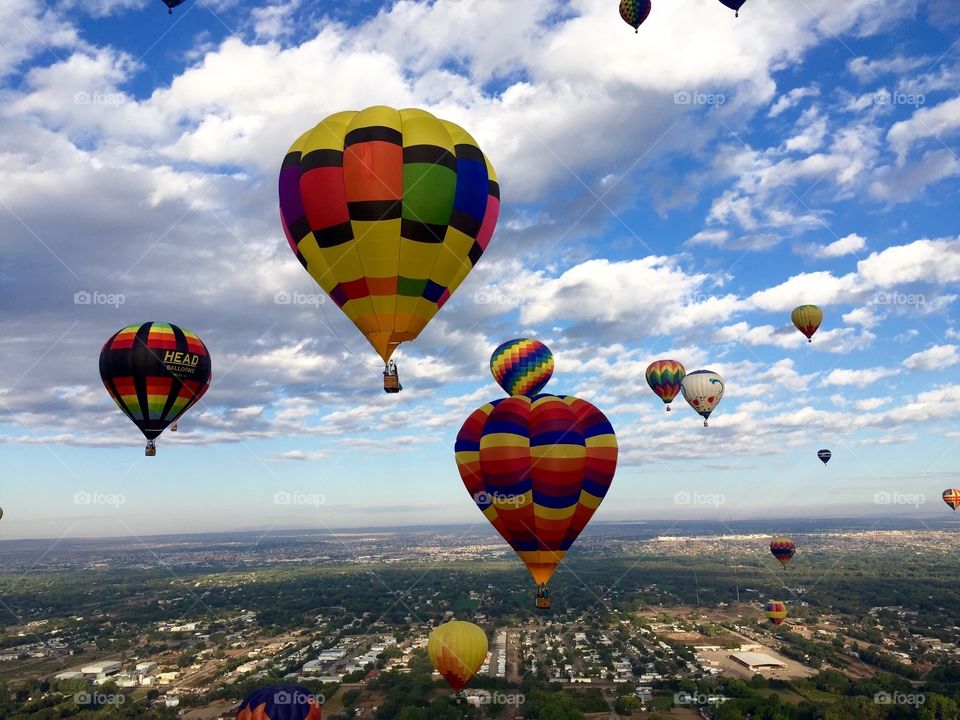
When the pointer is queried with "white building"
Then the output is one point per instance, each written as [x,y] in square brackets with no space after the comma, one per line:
[101,669]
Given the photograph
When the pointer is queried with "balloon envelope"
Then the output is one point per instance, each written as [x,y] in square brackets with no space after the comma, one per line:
[172,3]
[538,468]
[664,378]
[457,649]
[824,456]
[951,497]
[776,611]
[783,549]
[807,319]
[703,390]
[734,4]
[634,12]
[522,366]
[280,702]
[155,372]
[388,210]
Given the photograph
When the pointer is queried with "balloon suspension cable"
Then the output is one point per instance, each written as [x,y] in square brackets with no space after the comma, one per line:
[339,340]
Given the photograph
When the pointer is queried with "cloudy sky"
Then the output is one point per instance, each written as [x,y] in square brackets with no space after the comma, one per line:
[672,193]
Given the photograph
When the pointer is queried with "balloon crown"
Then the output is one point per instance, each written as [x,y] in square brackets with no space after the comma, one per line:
[522,366]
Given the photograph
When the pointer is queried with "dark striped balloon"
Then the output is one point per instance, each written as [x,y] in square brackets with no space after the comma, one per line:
[634,12]
[280,702]
[538,468]
[824,456]
[155,372]
[783,549]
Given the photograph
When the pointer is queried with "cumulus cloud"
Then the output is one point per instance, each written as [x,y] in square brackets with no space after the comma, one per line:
[935,357]
[858,378]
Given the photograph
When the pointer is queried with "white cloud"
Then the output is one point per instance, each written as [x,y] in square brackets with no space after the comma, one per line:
[847,245]
[938,121]
[858,378]
[792,99]
[935,357]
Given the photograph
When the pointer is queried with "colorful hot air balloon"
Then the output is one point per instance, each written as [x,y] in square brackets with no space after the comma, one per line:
[807,319]
[522,366]
[155,372]
[951,497]
[663,377]
[388,210]
[457,649]
[824,456]
[734,5]
[776,611]
[538,468]
[703,389]
[280,702]
[171,4]
[783,549]
[634,12]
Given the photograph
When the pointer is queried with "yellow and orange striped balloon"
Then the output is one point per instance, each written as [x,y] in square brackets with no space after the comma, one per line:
[457,649]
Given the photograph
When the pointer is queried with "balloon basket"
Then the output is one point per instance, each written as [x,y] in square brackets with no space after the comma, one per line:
[173,428]
[543,603]
[391,383]
[151,449]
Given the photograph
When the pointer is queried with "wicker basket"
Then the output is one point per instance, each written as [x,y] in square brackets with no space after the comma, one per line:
[391,383]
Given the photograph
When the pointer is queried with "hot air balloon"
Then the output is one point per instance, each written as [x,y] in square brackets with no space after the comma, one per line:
[951,497]
[703,389]
[538,468]
[734,5]
[457,649]
[155,372]
[522,366]
[634,12]
[807,319]
[171,4]
[388,210]
[776,611]
[1,513]
[824,456]
[783,549]
[663,377]
[280,702]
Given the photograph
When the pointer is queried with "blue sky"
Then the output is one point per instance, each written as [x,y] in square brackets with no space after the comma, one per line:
[673,193]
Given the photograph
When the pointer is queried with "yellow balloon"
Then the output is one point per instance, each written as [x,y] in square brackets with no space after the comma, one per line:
[807,319]
[457,649]
[388,210]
